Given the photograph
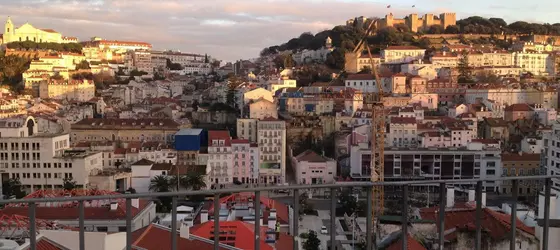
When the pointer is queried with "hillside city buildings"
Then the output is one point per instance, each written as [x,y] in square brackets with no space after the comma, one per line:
[122,117]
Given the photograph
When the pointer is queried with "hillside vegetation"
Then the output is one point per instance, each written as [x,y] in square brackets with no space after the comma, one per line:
[345,37]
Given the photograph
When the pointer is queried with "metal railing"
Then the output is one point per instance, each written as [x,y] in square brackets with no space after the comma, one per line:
[32,206]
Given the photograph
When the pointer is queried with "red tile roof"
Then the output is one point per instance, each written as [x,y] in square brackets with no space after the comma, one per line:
[412,244]
[403,48]
[156,237]
[281,208]
[521,157]
[234,233]
[239,141]
[219,135]
[97,210]
[360,77]
[45,244]
[462,216]
[403,120]
[519,107]
[486,141]
[49,30]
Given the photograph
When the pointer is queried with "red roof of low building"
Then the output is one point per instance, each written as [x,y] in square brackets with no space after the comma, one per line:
[46,244]
[518,107]
[234,233]
[360,77]
[412,244]
[219,135]
[152,238]
[403,120]
[281,208]
[403,48]
[486,141]
[95,210]
[463,215]
[240,141]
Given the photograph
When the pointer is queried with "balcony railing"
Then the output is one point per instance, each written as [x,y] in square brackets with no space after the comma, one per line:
[331,189]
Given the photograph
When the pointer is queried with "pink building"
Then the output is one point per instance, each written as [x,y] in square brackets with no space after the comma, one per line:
[518,111]
[245,161]
[447,90]
[312,168]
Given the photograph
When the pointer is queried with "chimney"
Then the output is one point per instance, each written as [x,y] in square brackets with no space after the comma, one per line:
[272,219]
[184,231]
[114,206]
[135,203]
[204,216]
[450,201]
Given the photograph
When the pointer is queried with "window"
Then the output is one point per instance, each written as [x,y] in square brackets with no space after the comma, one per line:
[104,229]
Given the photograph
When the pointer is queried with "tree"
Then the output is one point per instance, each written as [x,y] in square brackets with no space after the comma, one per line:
[136,72]
[160,184]
[348,202]
[465,71]
[13,187]
[233,83]
[335,59]
[173,66]
[365,70]
[312,242]
[12,68]
[452,29]
[69,183]
[193,181]
[289,62]
[435,29]
[83,65]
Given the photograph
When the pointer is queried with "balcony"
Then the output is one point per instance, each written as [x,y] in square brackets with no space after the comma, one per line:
[402,191]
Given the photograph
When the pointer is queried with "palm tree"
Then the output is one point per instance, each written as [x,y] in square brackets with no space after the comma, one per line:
[193,180]
[160,183]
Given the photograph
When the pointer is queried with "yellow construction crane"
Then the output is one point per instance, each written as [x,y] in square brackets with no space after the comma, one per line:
[375,102]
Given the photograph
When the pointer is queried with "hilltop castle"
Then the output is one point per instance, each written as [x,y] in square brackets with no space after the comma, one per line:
[416,23]
[412,21]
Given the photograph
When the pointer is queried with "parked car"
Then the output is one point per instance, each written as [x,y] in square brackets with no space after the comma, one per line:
[324,230]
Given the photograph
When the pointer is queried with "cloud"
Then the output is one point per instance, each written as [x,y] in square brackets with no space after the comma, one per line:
[225,29]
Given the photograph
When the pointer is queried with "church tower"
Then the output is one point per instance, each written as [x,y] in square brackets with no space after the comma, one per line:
[328,42]
[8,31]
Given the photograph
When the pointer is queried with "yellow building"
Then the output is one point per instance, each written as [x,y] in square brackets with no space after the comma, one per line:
[125,130]
[78,90]
[51,65]
[27,32]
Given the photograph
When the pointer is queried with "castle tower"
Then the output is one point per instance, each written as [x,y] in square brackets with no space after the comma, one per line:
[389,20]
[8,31]
[428,20]
[413,22]
[448,19]
[328,42]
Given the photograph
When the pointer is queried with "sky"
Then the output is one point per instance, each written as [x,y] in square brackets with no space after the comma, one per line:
[239,29]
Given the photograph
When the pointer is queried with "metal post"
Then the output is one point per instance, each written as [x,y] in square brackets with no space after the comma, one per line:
[257,205]
[369,219]
[217,222]
[405,217]
[295,220]
[442,204]
[547,187]
[478,218]
[333,218]
[513,231]
[32,226]
[128,224]
[174,223]
[81,225]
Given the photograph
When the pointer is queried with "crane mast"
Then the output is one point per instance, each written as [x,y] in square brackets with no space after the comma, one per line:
[375,102]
